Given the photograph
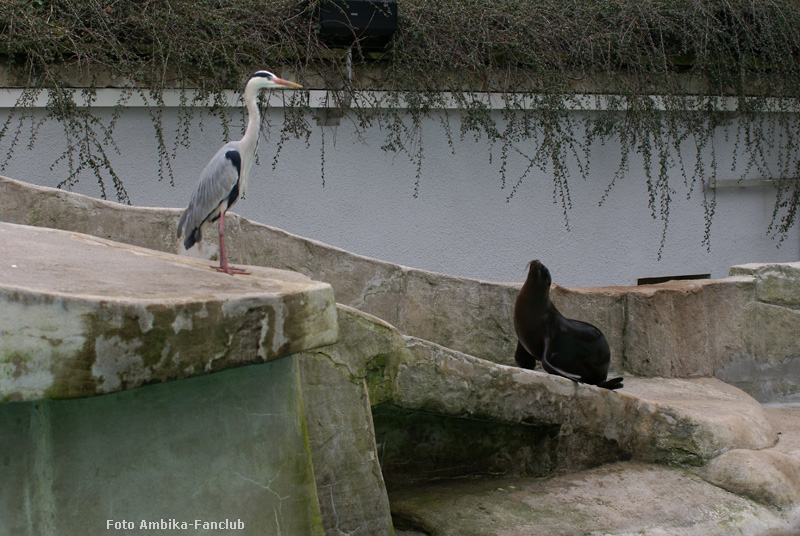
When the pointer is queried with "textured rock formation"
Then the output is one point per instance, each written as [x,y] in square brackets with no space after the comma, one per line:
[340,383]
[338,423]
[745,329]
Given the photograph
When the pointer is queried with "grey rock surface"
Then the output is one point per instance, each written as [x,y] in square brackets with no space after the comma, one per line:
[770,476]
[766,476]
[785,419]
[665,420]
[82,316]
[339,383]
[744,328]
[623,499]
[708,437]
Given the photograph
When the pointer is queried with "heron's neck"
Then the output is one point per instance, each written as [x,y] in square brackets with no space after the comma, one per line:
[250,139]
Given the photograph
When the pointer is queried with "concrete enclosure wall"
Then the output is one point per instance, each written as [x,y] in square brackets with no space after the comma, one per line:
[192,450]
[744,328]
[461,223]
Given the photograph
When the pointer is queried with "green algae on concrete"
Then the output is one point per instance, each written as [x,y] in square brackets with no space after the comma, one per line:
[225,446]
[340,382]
[82,316]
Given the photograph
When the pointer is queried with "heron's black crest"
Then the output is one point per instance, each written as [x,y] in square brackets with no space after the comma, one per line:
[263,74]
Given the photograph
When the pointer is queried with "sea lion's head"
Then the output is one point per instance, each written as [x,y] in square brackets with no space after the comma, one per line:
[538,275]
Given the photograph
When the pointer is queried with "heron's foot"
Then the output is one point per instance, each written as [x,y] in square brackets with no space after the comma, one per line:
[231,270]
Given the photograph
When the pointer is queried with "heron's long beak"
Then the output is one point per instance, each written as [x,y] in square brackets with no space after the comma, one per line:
[282,82]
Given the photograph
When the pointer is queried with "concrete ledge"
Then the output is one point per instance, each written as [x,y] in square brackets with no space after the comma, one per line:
[675,421]
[340,382]
[82,316]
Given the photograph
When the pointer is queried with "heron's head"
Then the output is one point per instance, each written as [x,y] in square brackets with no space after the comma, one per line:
[265,79]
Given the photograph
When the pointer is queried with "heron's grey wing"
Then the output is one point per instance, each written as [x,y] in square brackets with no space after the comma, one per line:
[219,178]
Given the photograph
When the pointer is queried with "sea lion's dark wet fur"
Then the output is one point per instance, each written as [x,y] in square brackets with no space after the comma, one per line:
[569,348]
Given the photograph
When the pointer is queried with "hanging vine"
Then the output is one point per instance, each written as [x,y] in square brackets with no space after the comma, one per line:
[665,75]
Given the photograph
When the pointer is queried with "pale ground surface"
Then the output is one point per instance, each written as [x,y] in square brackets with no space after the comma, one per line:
[786,421]
[622,499]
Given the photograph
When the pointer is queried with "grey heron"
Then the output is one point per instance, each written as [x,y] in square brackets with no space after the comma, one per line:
[224,179]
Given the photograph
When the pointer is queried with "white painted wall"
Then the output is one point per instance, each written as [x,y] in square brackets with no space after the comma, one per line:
[461,223]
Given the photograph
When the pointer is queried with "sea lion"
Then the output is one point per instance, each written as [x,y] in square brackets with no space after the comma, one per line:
[569,348]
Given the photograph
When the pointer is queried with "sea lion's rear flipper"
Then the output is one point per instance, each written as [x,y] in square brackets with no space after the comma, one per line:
[613,383]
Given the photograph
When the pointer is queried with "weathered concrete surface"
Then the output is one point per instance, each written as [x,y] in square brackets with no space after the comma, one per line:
[744,329]
[442,414]
[770,476]
[767,476]
[685,328]
[776,284]
[340,382]
[663,420]
[717,430]
[785,419]
[623,499]
[56,280]
[769,369]
[81,316]
[39,206]
[725,417]
[421,379]
[226,446]
[376,287]
[764,381]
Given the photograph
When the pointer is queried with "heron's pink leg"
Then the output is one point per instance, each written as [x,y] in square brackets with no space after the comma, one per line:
[223,258]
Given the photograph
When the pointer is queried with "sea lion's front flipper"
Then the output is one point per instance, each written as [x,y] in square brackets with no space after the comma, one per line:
[523,358]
